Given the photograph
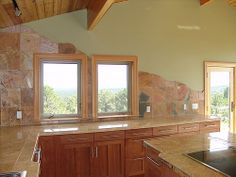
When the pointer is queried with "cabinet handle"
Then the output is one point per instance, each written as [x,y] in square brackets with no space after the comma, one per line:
[96,152]
[187,128]
[92,152]
[210,125]
[156,163]
[37,155]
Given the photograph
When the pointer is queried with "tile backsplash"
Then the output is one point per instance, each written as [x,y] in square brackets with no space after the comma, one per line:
[18,44]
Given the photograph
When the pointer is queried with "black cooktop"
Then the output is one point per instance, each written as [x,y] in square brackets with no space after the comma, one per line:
[223,161]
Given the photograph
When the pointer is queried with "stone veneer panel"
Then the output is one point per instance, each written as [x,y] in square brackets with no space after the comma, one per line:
[18,44]
[167,98]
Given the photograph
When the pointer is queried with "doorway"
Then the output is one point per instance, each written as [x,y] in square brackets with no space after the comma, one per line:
[219,93]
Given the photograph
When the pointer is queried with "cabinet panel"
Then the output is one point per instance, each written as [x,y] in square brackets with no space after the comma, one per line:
[108,136]
[48,157]
[188,128]
[135,167]
[73,159]
[139,133]
[134,148]
[165,130]
[213,126]
[109,159]
[152,169]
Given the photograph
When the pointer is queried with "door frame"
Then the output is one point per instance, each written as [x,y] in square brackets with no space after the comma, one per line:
[215,64]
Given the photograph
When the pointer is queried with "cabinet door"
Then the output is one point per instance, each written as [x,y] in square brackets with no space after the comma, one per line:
[47,164]
[134,148]
[153,169]
[108,159]
[73,158]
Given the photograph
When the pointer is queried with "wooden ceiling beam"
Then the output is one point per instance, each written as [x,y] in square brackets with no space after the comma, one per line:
[202,2]
[97,9]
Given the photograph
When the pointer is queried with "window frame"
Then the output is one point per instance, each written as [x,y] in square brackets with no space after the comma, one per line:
[39,58]
[133,83]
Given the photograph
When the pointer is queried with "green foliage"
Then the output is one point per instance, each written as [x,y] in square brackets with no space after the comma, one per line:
[220,105]
[110,101]
[55,104]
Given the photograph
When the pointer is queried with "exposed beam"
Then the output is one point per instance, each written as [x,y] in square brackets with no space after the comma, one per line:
[202,2]
[97,9]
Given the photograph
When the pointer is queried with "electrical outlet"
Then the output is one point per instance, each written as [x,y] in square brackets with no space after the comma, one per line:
[194,106]
[19,115]
[185,107]
[148,108]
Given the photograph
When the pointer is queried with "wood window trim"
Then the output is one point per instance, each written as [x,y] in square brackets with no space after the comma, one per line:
[37,77]
[134,82]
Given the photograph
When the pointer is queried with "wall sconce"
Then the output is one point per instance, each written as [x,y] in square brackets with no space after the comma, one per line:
[17,10]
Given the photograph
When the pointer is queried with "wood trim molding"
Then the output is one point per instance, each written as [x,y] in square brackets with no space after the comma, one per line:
[203,2]
[134,80]
[37,77]
[97,9]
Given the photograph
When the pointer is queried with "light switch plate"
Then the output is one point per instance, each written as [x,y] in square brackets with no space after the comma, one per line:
[18,114]
[148,108]
[195,106]
[185,107]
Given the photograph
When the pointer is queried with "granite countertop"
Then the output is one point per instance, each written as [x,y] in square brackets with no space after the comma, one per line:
[173,149]
[17,143]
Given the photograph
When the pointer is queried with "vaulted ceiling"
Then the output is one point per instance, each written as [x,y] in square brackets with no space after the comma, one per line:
[38,9]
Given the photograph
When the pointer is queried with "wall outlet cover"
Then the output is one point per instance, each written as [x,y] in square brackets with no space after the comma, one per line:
[18,114]
[148,108]
[195,106]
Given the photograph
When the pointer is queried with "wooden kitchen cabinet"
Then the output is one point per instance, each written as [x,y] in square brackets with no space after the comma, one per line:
[74,155]
[109,154]
[47,161]
[135,151]
[156,167]
[109,159]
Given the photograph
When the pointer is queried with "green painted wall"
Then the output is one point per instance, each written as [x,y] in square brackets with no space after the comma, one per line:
[171,37]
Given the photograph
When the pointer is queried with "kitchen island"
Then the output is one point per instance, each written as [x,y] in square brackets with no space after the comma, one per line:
[17,144]
[172,152]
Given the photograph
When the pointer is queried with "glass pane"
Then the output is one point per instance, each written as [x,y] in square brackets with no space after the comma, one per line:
[113,88]
[60,89]
[219,97]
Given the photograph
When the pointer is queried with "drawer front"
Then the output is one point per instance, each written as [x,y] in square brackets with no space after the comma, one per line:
[134,148]
[210,126]
[188,128]
[71,139]
[135,167]
[165,130]
[139,133]
[107,136]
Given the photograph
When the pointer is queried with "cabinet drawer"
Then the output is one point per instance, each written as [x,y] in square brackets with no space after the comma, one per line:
[210,126]
[135,167]
[107,136]
[134,148]
[188,128]
[165,130]
[139,133]
[68,139]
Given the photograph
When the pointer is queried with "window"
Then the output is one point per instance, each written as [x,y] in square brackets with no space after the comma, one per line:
[60,81]
[115,85]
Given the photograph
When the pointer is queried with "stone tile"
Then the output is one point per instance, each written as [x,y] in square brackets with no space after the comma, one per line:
[16,79]
[158,95]
[9,40]
[9,117]
[10,98]
[171,108]
[27,97]
[29,42]
[28,115]
[159,109]
[183,92]
[145,79]
[26,60]
[66,48]
[147,94]
[47,46]
[158,81]
[9,59]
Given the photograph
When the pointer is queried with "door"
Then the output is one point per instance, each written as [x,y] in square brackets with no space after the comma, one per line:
[219,94]
[109,159]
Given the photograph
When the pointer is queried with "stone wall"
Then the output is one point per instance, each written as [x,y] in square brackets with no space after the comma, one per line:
[17,46]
